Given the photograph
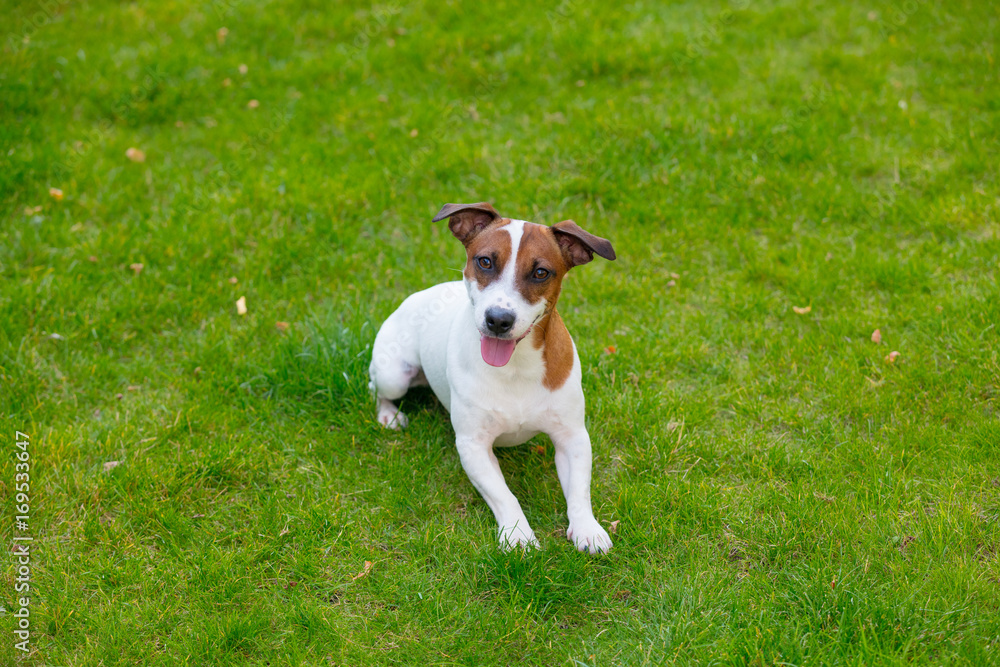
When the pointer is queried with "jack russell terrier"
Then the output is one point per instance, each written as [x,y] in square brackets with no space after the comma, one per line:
[499,358]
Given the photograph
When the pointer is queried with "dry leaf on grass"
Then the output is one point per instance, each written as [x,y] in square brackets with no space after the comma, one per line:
[803,310]
[32,210]
[137,267]
[135,155]
[282,326]
[220,35]
[613,527]
[877,337]
[364,572]
[241,306]
[56,194]
[253,104]
[891,357]
[233,280]
[243,68]
[110,465]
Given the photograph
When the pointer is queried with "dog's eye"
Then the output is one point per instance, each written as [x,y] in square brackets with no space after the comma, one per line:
[485,263]
[540,274]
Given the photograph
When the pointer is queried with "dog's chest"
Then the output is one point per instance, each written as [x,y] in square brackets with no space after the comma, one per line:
[517,408]
[518,418]
[511,402]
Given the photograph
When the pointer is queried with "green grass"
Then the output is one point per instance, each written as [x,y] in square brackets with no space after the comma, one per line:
[785,495]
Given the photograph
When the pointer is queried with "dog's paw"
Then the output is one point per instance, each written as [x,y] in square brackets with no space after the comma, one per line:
[390,417]
[393,419]
[517,537]
[589,537]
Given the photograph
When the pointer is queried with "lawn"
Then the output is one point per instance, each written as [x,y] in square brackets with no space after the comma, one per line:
[779,179]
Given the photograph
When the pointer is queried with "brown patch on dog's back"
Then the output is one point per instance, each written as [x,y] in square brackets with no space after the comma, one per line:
[557,352]
[492,242]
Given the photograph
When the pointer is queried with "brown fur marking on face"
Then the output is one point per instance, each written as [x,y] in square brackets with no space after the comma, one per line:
[539,249]
[557,352]
[492,242]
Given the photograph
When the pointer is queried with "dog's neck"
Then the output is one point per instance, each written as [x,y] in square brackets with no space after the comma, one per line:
[551,336]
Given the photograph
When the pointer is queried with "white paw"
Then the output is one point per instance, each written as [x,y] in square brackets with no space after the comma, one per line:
[392,418]
[589,537]
[516,536]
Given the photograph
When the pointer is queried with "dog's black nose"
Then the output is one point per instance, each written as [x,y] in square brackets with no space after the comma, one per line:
[499,321]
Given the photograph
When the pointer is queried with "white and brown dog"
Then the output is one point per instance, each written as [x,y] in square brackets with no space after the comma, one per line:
[499,358]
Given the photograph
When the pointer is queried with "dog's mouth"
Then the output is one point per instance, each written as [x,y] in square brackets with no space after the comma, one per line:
[498,351]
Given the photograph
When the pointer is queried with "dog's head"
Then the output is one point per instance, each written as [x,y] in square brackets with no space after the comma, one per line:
[514,270]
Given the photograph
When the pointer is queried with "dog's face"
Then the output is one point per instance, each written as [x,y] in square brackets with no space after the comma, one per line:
[514,270]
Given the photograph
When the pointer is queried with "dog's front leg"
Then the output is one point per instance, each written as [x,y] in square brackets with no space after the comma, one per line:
[476,453]
[573,463]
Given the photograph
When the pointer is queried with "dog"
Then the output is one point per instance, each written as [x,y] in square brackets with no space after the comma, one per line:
[499,358]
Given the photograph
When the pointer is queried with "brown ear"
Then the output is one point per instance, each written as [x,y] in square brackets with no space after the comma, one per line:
[579,245]
[467,220]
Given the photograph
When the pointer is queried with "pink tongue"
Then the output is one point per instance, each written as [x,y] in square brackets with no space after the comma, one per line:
[496,352]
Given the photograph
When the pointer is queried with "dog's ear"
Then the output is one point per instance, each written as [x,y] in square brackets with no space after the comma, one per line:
[467,220]
[579,245]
